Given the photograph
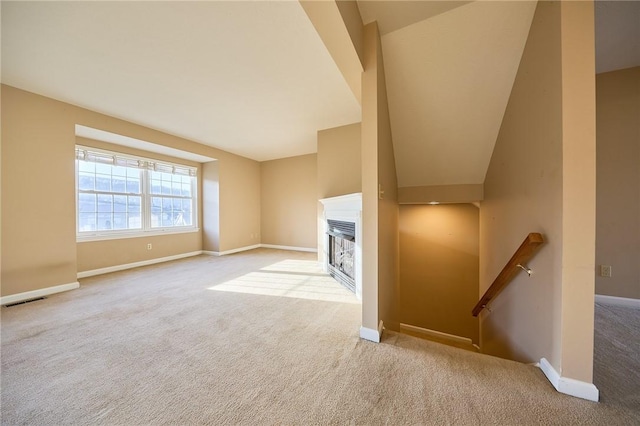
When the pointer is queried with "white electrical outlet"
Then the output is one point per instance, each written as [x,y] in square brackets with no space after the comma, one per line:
[149,246]
[605,270]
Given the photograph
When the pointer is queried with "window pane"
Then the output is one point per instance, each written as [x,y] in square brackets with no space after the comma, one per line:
[119,185]
[86,182]
[120,221]
[186,190]
[156,211]
[166,219]
[156,204]
[133,204]
[119,203]
[103,183]
[133,186]
[166,204]
[86,203]
[135,221]
[104,221]
[166,187]
[105,203]
[86,166]
[86,222]
[156,187]
[186,208]
[104,169]
[176,188]
[119,171]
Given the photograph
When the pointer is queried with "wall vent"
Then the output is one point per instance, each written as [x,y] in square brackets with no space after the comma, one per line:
[24,301]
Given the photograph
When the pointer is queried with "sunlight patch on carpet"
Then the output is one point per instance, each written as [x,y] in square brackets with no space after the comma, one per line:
[298,279]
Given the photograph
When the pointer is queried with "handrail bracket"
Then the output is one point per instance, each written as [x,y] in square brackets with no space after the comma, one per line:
[518,261]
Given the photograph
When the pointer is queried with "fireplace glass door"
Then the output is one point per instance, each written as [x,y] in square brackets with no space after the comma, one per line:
[342,248]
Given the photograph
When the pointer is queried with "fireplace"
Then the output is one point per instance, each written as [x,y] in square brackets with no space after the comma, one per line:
[341,251]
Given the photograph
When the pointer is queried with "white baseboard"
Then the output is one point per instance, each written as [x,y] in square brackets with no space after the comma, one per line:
[371,334]
[237,250]
[291,248]
[618,301]
[255,246]
[569,386]
[436,334]
[33,294]
[116,268]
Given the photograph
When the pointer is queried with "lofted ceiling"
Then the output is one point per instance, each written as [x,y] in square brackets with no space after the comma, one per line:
[255,79]
[251,78]
[449,67]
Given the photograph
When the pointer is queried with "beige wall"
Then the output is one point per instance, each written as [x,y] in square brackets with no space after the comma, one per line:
[369,156]
[439,260]
[103,254]
[578,189]
[39,250]
[38,195]
[380,246]
[388,233]
[289,199]
[239,203]
[523,194]
[211,207]
[339,161]
[618,182]
[542,179]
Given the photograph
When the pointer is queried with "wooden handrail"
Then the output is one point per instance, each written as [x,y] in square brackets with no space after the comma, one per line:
[526,250]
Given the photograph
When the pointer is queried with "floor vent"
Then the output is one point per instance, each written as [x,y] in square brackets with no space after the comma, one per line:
[24,301]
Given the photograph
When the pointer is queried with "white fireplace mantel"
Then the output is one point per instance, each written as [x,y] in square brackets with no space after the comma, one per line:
[346,208]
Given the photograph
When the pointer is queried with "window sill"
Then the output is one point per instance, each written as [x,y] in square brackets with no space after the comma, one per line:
[127,235]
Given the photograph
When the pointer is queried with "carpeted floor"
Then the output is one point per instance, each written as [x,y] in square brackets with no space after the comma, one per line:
[260,337]
[616,361]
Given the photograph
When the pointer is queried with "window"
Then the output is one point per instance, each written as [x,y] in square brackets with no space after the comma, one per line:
[122,195]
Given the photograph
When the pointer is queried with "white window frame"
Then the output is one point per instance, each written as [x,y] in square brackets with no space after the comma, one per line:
[146,166]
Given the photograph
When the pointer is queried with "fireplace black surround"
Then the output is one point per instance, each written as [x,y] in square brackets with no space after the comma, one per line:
[341,261]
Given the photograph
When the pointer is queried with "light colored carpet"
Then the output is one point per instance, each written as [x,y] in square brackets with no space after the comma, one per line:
[616,363]
[199,341]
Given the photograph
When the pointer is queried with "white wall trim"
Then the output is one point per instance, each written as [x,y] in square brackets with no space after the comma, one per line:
[291,248]
[237,250]
[116,268]
[569,386]
[618,301]
[371,334]
[437,334]
[33,294]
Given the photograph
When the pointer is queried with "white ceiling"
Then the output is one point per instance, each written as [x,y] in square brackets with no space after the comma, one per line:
[252,78]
